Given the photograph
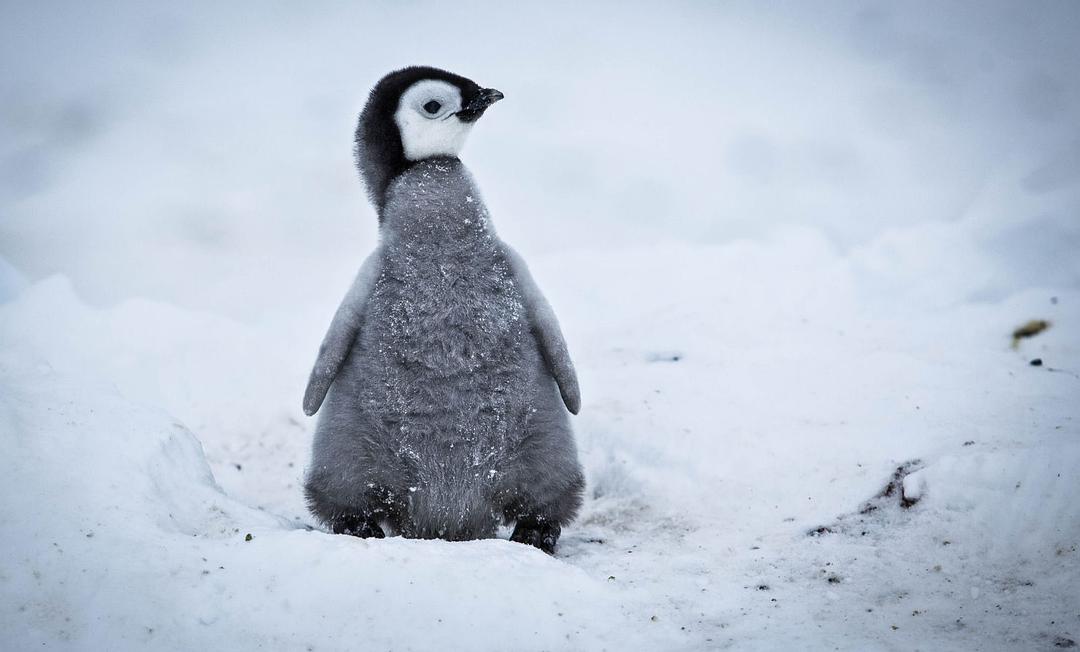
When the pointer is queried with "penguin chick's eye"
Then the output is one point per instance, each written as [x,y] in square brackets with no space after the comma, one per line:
[432,107]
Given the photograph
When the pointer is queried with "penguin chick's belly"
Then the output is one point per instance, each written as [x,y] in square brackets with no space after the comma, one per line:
[448,372]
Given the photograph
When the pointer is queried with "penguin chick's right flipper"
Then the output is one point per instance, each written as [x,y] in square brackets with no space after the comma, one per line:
[343,329]
[546,327]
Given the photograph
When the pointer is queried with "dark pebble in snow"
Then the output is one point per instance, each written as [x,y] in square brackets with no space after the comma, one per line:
[248,537]
[238,467]
[970,442]
[762,587]
[1037,362]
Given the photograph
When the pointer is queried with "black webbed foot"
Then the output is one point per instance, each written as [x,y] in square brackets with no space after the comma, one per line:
[357,526]
[540,535]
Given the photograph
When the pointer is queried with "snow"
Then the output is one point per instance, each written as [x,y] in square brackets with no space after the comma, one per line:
[140,548]
[914,486]
[787,248]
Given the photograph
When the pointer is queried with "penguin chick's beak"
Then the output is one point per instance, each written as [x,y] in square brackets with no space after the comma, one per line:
[477,105]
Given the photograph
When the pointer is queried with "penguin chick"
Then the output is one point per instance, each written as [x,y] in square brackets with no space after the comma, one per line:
[445,375]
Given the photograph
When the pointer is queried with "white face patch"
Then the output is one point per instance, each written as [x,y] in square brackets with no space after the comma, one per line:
[425,117]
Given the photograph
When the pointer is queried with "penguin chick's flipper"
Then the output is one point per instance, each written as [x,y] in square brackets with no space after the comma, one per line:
[343,330]
[546,328]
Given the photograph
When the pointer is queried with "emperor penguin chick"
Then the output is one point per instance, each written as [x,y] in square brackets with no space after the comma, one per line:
[444,372]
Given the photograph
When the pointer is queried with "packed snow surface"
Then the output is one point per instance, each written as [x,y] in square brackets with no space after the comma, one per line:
[788,249]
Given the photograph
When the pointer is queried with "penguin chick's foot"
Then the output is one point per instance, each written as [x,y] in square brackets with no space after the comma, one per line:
[540,535]
[358,526]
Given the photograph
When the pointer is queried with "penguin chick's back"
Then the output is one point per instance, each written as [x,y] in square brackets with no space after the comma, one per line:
[446,359]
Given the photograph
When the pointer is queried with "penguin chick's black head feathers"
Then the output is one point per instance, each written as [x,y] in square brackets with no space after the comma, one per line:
[413,114]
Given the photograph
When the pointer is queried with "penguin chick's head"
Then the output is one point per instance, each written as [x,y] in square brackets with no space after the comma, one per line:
[413,114]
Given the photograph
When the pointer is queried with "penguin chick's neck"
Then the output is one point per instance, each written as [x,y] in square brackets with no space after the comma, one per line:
[434,201]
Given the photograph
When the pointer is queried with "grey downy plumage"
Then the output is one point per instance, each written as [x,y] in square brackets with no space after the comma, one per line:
[444,371]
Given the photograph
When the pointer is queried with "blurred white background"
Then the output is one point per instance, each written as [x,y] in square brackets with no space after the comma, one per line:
[200,154]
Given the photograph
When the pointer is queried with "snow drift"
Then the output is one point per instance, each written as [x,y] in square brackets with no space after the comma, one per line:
[787,246]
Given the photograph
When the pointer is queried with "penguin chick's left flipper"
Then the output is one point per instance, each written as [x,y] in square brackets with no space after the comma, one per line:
[343,329]
[546,327]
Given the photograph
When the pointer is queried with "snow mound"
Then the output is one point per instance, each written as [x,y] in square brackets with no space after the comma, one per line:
[1020,499]
[762,402]
[140,547]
